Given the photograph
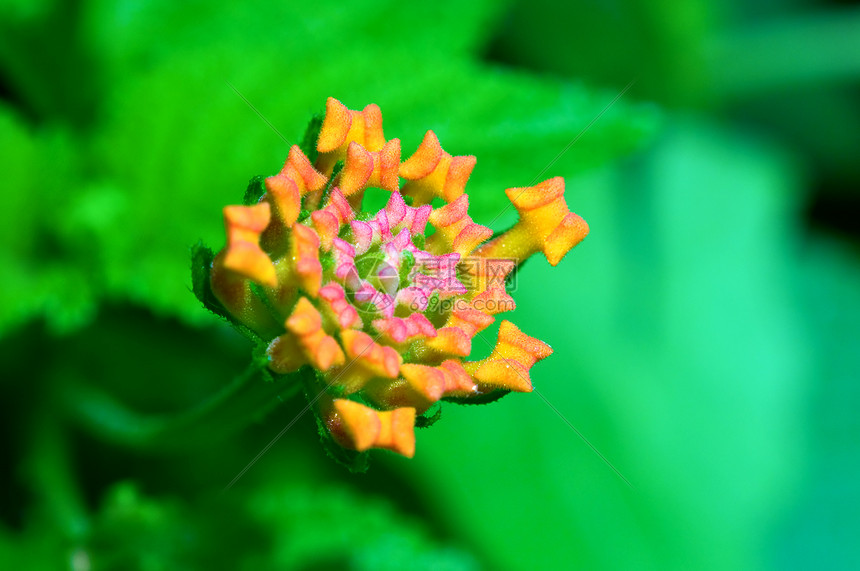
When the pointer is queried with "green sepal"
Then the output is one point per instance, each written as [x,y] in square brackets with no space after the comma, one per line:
[336,169]
[309,141]
[255,190]
[260,361]
[430,416]
[258,291]
[484,398]
[201,267]
[327,260]
[407,262]
[338,166]
[354,461]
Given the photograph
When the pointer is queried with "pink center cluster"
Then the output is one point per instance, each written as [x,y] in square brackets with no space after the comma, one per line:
[371,268]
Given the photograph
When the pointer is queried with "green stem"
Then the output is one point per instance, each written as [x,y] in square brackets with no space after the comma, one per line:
[51,478]
[248,398]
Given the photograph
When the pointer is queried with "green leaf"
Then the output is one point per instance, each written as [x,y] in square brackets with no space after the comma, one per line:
[48,272]
[329,525]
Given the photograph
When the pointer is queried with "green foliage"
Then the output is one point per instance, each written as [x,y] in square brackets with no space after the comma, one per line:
[47,267]
[704,339]
[370,535]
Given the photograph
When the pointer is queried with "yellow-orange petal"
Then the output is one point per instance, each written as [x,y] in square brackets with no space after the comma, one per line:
[483,274]
[243,254]
[339,206]
[424,159]
[342,127]
[366,361]
[505,374]
[424,381]
[546,224]
[356,170]
[386,163]
[335,126]
[380,360]
[450,341]
[455,231]
[361,428]
[470,321]
[512,358]
[458,382]
[433,173]
[305,250]
[283,194]
[340,310]
[305,319]
[304,342]
[299,169]
[397,431]
[419,387]
[571,231]
[374,139]
[493,300]
[354,425]
[327,226]
[516,345]
[236,295]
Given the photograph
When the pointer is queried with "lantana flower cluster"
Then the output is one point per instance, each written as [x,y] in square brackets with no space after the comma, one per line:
[382,310]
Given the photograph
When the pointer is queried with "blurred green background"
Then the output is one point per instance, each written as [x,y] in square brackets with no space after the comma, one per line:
[706,334]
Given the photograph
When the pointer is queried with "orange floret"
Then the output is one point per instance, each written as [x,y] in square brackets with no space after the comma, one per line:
[305,252]
[388,333]
[364,169]
[508,365]
[304,342]
[455,231]
[243,254]
[546,225]
[341,127]
[433,173]
[367,360]
[299,169]
[286,200]
[339,310]
[419,387]
[360,428]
